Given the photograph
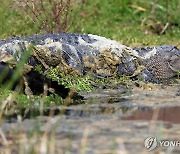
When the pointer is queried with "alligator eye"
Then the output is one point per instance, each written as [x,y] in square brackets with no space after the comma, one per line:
[174,63]
[174,58]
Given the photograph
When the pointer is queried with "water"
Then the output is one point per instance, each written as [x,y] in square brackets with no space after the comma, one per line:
[166,113]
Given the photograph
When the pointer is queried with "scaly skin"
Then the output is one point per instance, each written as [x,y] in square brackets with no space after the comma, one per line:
[90,53]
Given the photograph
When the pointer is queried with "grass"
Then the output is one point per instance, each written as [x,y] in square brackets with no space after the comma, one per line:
[26,101]
[133,23]
[119,20]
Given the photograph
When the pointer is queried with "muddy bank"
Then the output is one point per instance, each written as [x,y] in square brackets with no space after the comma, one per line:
[110,121]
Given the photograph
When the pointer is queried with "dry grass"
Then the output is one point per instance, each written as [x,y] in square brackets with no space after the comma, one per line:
[49,16]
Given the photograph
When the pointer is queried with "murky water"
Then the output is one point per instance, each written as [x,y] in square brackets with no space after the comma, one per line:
[169,114]
[110,121]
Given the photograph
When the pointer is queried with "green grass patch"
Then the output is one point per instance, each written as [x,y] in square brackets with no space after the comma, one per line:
[119,20]
[29,101]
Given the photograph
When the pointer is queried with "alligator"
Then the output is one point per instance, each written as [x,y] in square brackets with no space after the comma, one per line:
[86,53]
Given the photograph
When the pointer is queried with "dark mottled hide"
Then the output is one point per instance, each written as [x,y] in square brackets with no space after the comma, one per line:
[164,63]
[86,52]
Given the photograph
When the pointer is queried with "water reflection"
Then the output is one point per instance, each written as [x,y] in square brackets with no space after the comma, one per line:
[167,113]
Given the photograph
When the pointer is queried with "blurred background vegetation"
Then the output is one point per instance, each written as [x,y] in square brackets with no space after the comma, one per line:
[132,22]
